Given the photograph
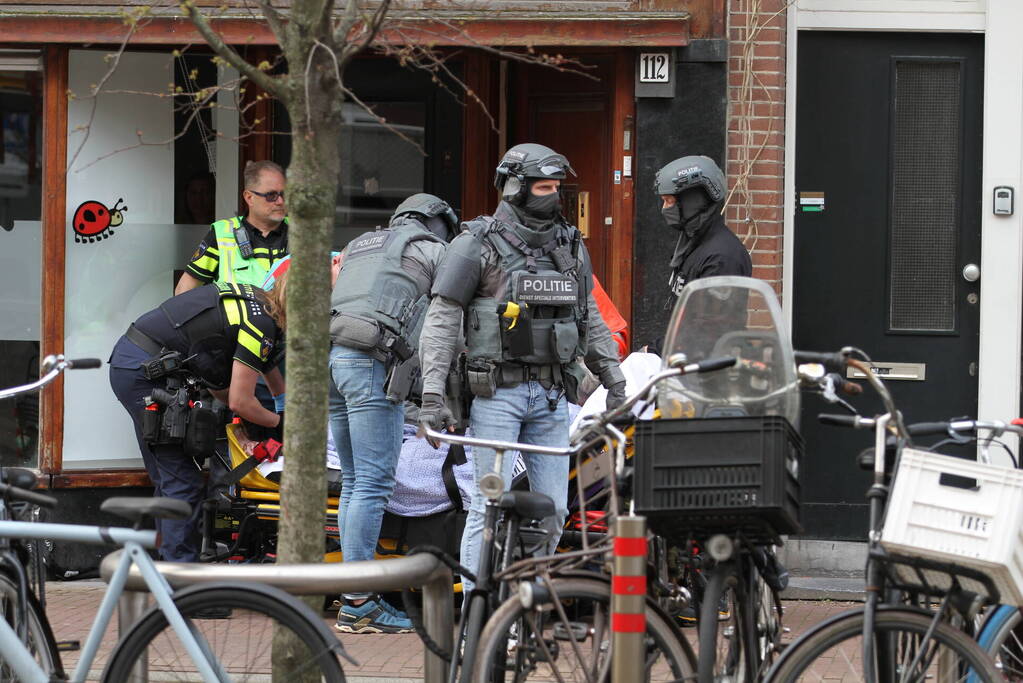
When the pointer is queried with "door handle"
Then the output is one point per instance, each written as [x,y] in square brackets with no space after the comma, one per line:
[971,272]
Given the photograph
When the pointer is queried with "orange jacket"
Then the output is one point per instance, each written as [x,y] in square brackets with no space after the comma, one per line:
[612,318]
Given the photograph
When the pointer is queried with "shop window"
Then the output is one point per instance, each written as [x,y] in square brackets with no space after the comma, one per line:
[21,158]
[418,149]
[115,274]
[381,164]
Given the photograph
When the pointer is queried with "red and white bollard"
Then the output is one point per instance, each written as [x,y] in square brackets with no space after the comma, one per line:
[628,600]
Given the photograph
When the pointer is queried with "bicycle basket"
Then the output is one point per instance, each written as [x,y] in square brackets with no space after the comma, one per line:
[958,511]
[702,476]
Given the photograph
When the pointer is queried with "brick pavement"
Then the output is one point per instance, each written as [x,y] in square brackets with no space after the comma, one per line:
[382,658]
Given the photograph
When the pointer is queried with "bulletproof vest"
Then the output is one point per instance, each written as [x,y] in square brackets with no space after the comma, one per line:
[539,314]
[201,320]
[374,298]
[233,266]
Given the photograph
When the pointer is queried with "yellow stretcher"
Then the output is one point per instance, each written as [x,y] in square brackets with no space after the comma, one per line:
[245,520]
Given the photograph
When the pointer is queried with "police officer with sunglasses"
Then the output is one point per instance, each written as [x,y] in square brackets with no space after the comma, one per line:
[241,249]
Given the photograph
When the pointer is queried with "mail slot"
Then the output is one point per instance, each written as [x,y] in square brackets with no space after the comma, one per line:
[915,372]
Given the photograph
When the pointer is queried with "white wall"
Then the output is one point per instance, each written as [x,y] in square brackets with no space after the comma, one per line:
[892,15]
[1001,282]
[111,282]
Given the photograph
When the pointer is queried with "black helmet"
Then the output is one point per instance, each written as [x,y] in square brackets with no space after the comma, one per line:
[689,172]
[432,211]
[528,160]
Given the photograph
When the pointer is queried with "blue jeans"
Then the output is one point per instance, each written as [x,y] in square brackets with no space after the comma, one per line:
[520,413]
[174,474]
[367,433]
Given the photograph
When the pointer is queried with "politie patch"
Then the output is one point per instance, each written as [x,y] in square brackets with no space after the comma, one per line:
[199,251]
[545,288]
[368,243]
[265,348]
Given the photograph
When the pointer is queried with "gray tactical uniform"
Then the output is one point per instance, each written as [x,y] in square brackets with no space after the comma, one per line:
[486,279]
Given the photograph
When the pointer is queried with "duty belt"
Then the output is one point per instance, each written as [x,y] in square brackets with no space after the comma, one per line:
[143,340]
[509,375]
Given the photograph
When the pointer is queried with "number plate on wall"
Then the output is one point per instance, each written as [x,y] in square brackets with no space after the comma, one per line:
[655,67]
[655,74]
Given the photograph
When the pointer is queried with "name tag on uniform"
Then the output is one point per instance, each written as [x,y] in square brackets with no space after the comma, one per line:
[545,288]
[368,242]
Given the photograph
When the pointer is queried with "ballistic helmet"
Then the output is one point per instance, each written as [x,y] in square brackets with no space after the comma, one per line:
[528,160]
[432,211]
[690,172]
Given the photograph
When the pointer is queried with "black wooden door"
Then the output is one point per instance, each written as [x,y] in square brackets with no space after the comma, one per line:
[888,176]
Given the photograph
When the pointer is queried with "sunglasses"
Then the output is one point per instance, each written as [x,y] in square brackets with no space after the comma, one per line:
[271,196]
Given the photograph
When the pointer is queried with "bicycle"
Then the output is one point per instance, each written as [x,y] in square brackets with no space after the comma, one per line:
[176,636]
[898,634]
[558,624]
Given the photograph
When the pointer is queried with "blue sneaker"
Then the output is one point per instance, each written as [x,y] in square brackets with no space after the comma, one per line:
[371,617]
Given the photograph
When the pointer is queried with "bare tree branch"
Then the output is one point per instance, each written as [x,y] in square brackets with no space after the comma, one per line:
[99,86]
[216,42]
[371,29]
[346,22]
[275,19]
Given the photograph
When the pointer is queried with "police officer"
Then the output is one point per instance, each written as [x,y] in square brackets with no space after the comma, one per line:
[692,191]
[521,279]
[241,249]
[226,335]
[378,303]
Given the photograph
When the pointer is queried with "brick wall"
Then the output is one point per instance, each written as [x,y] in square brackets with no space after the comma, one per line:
[756,131]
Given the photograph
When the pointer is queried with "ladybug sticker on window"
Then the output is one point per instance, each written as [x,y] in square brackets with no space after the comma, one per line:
[93,221]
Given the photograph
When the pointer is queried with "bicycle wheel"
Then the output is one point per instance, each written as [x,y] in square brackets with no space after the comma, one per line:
[537,644]
[242,643]
[722,628]
[1001,636]
[833,651]
[40,637]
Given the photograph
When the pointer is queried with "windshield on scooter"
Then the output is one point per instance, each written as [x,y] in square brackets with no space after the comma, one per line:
[730,316]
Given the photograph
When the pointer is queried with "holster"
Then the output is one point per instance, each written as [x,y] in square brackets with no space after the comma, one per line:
[457,394]
[402,379]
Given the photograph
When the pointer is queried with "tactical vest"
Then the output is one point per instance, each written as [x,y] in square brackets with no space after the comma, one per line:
[376,304]
[550,287]
[233,266]
[201,320]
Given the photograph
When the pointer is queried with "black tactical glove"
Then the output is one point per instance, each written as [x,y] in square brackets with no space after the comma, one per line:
[615,395]
[434,414]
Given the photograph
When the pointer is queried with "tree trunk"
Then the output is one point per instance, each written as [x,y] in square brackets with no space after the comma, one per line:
[312,189]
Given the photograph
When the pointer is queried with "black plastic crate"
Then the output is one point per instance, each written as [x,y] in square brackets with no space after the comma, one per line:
[701,476]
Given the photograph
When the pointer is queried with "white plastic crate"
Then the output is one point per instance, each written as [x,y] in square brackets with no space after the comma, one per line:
[973,517]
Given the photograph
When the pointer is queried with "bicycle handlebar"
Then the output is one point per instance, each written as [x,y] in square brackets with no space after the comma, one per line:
[601,419]
[996,427]
[51,367]
[834,362]
[9,491]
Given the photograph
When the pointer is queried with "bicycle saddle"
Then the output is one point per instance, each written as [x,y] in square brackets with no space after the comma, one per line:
[527,504]
[137,508]
[19,477]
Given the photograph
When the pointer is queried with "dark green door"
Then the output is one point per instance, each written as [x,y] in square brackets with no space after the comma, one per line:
[888,178]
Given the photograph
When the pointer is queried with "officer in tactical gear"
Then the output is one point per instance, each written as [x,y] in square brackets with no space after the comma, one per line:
[378,304]
[520,283]
[242,248]
[692,191]
[221,336]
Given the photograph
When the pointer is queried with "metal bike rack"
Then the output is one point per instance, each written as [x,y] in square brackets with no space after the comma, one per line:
[318,579]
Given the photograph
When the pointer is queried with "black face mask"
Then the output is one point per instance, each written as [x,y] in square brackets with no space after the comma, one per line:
[672,216]
[544,207]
